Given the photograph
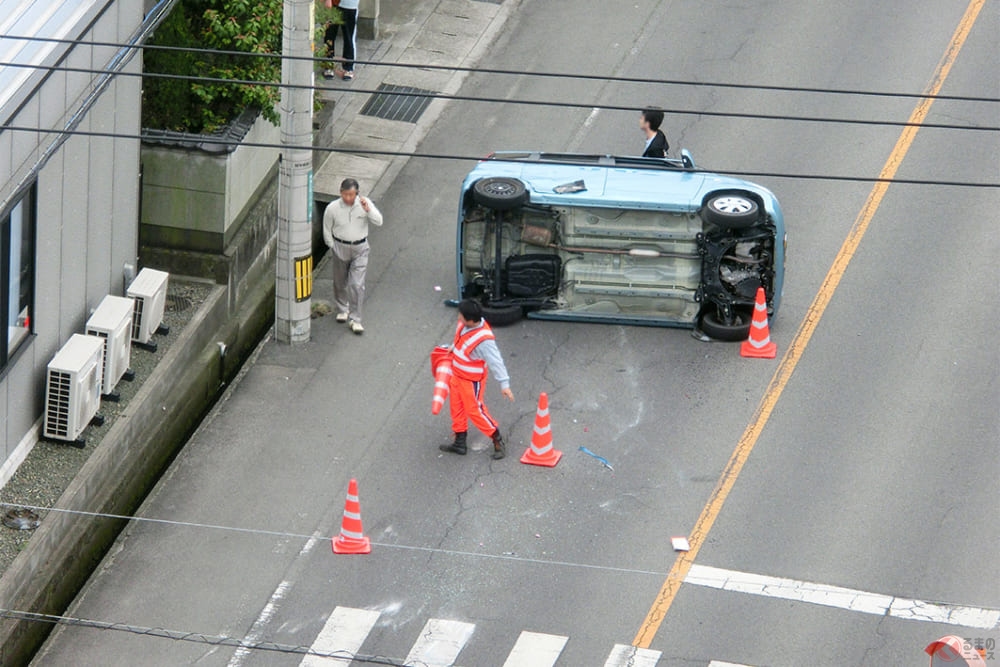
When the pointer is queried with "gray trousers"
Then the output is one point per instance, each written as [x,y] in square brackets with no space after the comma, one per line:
[349,265]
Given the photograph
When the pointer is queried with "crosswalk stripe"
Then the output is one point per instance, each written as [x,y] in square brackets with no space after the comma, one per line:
[344,632]
[717,663]
[440,643]
[535,649]
[844,598]
[632,656]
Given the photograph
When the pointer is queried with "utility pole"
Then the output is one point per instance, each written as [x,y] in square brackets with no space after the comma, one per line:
[294,263]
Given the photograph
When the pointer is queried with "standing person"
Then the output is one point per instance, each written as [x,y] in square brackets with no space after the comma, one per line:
[474,350]
[656,142]
[349,30]
[345,231]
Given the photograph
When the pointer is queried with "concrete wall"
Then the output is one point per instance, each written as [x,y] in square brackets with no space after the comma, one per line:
[368,11]
[88,207]
[196,200]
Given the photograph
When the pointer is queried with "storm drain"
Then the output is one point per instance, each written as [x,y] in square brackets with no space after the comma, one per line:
[403,103]
[176,303]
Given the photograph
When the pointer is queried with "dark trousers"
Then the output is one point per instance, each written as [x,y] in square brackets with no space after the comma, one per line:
[349,29]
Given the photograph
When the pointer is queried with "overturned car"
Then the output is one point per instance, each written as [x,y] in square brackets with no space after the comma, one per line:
[625,240]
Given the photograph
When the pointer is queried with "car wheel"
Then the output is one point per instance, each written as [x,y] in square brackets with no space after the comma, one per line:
[713,327]
[731,211]
[502,316]
[500,194]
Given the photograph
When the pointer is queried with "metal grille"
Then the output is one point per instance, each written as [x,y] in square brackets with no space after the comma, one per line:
[106,353]
[57,409]
[137,317]
[389,104]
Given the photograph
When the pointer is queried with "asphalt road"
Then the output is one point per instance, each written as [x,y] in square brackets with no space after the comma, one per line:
[876,468]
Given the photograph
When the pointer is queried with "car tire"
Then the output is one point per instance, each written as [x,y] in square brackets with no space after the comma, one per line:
[713,328]
[731,210]
[499,193]
[502,316]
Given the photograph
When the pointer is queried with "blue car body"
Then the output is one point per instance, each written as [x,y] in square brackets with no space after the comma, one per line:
[618,239]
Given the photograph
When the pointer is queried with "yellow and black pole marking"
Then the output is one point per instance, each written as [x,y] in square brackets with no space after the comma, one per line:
[303,277]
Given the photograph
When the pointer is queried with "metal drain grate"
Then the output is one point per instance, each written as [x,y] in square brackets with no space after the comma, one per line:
[389,104]
[177,303]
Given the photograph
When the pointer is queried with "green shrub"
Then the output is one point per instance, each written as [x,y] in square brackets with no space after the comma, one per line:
[189,105]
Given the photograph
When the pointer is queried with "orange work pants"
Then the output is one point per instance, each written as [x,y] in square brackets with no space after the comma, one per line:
[465,399]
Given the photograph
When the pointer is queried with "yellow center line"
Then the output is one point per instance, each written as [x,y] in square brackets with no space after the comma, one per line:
[786,367]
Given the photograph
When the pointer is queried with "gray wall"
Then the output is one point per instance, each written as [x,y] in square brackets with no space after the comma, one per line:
[88,207]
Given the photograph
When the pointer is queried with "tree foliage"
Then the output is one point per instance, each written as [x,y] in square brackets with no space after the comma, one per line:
[252,27]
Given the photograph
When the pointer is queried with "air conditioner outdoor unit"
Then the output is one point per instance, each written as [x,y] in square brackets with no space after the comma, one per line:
[112,322]
[73,388]
[149,289]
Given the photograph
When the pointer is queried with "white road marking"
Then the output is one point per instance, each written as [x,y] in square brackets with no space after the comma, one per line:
[535,649]
[844,598]
[440,643]
[716,663]
[344,632]
[257,629]
[632,656]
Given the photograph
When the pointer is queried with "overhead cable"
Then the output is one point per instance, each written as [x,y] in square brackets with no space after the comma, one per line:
[196,637]
[223,141]
[541,74]
[504,100]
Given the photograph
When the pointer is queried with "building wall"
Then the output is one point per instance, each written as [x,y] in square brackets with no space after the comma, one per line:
[87,208]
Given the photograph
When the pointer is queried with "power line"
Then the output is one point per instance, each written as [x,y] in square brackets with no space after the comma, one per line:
[196,637]
[527,102]
[506,556]
[177,137]
[539,74]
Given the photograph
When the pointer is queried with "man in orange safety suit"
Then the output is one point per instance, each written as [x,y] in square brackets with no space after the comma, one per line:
[474,350]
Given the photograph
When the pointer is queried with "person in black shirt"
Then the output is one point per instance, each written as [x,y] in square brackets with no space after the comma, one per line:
[656,142]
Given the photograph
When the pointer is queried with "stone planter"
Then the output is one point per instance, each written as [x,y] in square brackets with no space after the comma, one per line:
[196,194]
[210,209]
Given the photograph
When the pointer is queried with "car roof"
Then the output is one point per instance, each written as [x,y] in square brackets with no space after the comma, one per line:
[610,181]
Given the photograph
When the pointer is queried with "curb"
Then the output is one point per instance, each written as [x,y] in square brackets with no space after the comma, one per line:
[122,470]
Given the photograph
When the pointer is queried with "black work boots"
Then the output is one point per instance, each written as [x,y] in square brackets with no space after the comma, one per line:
[457,446]
[499,446]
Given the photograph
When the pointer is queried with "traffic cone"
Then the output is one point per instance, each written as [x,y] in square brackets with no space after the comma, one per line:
[541,452]
[759,344]
[441,367]
[351,539]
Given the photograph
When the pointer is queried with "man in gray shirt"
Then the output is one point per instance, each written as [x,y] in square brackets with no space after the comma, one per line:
[345,231]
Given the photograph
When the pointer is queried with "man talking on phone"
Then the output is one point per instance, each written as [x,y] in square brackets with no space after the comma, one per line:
[345,231]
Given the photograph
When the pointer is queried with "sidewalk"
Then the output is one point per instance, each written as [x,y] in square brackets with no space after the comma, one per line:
[423,31]
[431,32]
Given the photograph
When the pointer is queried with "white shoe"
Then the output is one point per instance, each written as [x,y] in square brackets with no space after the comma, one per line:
[356,327]
[341,317]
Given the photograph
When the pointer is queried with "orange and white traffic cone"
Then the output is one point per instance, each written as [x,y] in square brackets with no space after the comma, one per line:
[441,367]
[541,452]
[351,539]
[759,344]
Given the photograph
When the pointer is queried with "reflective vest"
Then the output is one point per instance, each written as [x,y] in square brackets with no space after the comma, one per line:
[463,366]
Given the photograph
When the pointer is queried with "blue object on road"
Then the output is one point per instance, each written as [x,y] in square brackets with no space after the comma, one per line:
[599,458]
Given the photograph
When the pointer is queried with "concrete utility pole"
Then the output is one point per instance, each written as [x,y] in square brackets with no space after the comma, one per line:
[294,264]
